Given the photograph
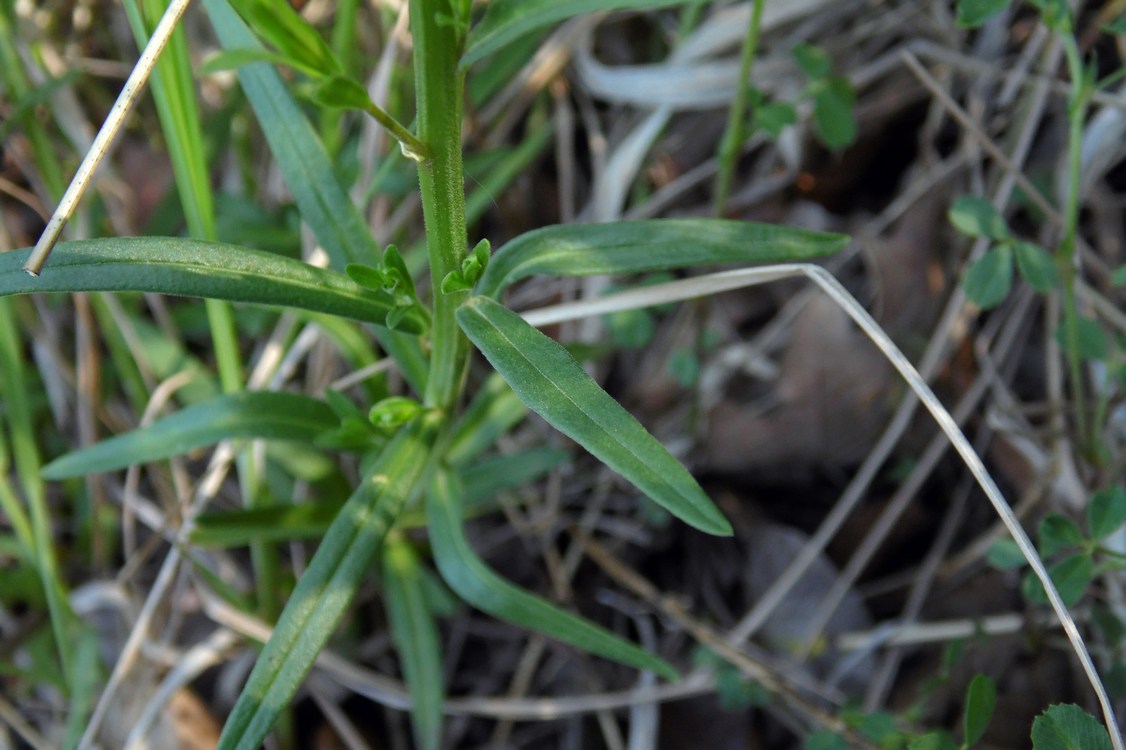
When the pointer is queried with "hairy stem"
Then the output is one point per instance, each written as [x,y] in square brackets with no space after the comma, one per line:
[439,89]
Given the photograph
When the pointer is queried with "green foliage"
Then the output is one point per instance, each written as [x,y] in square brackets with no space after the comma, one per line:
[1077,553]
[976,217]
[833,97]
[505,21]
[974,13]
[193,268]
[552,384]
[933,741]
[249,414]
[981,698]
[1068,727]
[988,279]
[1106,513]
[770,116]
[1090,342]
[328,585]
[474,582]
[415,635]
[655,245]
[407,443]
[736,692]
[825,740]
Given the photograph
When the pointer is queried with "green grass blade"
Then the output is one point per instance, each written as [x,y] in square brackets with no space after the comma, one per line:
[322,595]
[415,635]
[17,417]
[508,20]
[549,380]
[198,269]
[477,584]
[651,245]
[249,414]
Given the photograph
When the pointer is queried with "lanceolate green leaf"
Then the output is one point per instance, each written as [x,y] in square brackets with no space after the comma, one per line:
[416,640]
[549,380]
[322,595]
[474,582]
[192,268]
[653,245]
[286,29]
[507,20]
[249,414]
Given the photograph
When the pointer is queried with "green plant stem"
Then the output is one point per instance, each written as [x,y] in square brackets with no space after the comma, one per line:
[1065,253]
[734,134]
[439,86]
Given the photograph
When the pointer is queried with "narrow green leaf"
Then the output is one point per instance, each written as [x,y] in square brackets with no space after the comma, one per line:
[474,582]
[342,92]
[989,278]
[287,31]
[977,217]
[653,245]
[549,380]
[981,698]
[415,635]
[1068,727]
[192,268]
[249,414]
[1036,266]
[324,592]
[974,13]
[1106,512]
[507,20]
